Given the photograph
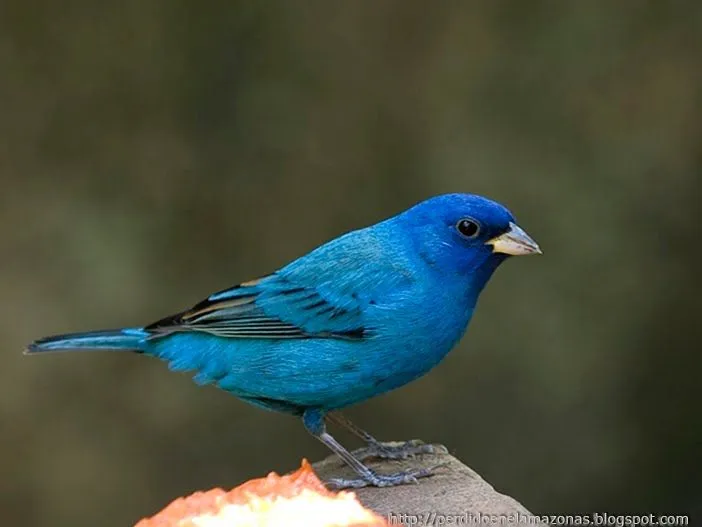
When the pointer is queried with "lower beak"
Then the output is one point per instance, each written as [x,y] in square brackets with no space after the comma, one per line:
[514,242]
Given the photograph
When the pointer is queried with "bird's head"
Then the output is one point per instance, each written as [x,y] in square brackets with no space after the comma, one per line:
[467,235]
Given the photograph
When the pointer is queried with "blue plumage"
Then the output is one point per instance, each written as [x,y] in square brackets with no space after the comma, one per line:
[360,315]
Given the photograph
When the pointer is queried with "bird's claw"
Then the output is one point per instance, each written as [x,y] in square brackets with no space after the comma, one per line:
[405,450]
[383,480]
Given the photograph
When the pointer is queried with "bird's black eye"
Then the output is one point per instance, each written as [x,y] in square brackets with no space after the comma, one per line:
[468,228]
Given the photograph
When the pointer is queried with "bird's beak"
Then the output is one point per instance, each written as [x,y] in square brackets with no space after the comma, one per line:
[514,242]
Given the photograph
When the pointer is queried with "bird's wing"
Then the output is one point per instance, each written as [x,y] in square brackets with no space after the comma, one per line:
[324,294]
[271,307]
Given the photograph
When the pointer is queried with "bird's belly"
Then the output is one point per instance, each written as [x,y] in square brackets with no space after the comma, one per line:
[326,373]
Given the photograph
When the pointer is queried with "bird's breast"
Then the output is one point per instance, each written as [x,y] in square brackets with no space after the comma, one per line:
[413,337]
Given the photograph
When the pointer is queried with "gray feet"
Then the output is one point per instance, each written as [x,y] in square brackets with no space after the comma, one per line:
[382,480]
[314,420]
[405,450]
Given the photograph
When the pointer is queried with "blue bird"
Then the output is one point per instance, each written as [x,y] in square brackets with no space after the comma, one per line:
[361,315]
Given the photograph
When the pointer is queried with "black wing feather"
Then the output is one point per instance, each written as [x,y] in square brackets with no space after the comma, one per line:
[234,313]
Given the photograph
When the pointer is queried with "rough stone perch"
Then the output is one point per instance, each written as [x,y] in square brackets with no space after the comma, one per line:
[446,498]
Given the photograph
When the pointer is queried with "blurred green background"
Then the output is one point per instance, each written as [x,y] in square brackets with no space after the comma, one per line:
[154,151]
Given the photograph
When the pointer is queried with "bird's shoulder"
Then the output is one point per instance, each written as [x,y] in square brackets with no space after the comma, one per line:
[373,260]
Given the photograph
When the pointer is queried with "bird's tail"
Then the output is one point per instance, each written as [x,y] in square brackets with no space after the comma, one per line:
[127,339]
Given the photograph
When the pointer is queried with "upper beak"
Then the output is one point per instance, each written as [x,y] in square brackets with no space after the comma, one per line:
[514,242]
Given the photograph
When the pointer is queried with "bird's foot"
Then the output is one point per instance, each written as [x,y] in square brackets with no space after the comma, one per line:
[383,480]
[405,450]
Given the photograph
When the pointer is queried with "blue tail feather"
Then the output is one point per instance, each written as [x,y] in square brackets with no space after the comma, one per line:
[126,339]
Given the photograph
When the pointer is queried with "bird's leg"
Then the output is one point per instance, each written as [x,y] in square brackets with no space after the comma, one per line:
[313,420]
[382,450]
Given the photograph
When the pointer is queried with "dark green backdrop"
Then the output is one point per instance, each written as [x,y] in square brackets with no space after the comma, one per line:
[154,151]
